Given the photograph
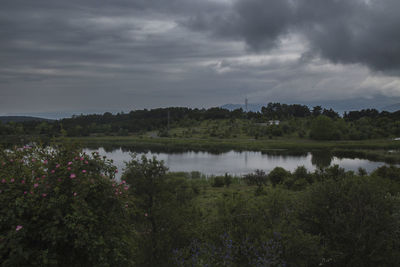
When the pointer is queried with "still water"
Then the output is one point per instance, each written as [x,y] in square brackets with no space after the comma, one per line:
[239,163]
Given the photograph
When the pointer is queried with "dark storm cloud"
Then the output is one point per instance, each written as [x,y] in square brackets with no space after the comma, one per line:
[123,54]
[343,31]
[258,23]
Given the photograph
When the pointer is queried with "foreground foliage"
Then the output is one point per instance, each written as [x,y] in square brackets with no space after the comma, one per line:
[62,207]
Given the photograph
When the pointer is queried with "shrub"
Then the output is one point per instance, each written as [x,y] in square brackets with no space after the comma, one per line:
[227,180]
[278,175]
[258,178]
[219,181]
[356,219]
[62,207]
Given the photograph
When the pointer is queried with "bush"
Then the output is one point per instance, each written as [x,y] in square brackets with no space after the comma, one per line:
[278,175]
[258,178]
[62,207]
[356,219]
[227,180]
[218,181]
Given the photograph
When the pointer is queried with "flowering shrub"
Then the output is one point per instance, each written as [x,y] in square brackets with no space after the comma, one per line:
[60,206]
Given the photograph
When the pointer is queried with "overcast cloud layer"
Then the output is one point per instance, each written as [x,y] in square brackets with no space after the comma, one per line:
[97,55]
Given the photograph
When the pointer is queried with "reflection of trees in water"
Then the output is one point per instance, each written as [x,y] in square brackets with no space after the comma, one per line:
[155,149]
[321,159]
[285,154]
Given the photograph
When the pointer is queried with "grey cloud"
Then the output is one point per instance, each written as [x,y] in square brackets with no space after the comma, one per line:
[124,54]
[343,31]
[258,23]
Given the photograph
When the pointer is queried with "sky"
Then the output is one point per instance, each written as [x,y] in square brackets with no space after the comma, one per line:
[118,55]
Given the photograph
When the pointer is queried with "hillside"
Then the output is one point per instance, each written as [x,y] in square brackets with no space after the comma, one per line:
[6,119]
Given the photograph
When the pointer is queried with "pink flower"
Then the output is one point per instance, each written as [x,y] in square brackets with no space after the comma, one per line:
[82,158]
[58,166]
[25,192]
[123,181]
[126,187]
[11,160]
[37,179]
[58,179]
[35,185]
[84,171]
[76,158]
[33,160]
[43,176]
[19,227]
[86,162]
[69,163]
[3,181]
[45,161]
[72,176]
[146,214]
[12,180]
[116,171]
[75,194]
[23,182]
[53,171]
[44,195]
[69,168]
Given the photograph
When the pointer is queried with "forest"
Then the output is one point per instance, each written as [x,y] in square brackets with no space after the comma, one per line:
[274,121]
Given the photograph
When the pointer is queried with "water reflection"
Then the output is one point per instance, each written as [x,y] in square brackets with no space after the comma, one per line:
[238,162]
[321,159]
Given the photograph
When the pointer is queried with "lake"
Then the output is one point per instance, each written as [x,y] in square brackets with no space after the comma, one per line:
[239,163]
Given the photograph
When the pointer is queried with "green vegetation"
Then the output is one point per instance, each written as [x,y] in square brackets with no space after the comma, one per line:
[62,207]
[274,121]
[366,133]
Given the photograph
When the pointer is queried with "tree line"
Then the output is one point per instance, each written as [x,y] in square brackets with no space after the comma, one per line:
[293,120]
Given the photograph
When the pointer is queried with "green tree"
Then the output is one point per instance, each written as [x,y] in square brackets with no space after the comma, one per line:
[278,175]
[322,128]
[165,207]
[357,221]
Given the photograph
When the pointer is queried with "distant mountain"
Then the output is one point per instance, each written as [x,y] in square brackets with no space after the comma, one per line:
[6,119]
[380,103]
[392,108]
